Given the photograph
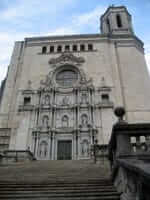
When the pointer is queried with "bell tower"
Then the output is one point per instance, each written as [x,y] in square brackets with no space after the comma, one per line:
[116,21]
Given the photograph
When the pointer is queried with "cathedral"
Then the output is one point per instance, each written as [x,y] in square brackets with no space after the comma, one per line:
[60,91]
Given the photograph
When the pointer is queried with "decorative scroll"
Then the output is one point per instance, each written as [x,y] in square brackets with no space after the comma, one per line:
[66,57]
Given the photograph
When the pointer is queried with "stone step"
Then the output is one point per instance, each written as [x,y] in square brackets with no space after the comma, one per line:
[65,198]
[91,188]
[56,180]
[55,190]
[51,195]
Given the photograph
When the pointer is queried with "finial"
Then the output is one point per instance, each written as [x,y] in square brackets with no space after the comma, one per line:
[120,112]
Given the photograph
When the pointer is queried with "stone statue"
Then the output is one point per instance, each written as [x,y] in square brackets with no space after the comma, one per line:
[45,121]
[43,149]
[65,100]
[84,120]
[47,100]
[65,121]
[85,148]
[84,98]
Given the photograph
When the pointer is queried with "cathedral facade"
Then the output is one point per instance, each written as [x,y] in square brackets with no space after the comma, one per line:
[60,91]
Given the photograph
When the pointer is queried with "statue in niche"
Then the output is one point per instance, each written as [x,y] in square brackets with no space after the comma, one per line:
[65,101]
[84,120]
[47,100]
[65,121]
[45,121]
[85,148]
[43,149]
[84,98]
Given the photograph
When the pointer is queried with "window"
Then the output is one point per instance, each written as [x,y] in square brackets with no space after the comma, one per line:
[105,97]
[44,49]
[67,48]
[51,49]
[59,49]
[27,100]
[82,47]
[66,77]
[119,22]
[90,47]
[74,47]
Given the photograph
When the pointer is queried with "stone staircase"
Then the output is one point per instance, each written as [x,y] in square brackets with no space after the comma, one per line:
[57,180]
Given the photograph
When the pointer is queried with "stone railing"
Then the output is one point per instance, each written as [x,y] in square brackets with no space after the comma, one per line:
[99,152]
[129,140]
[11,156]
[129,155]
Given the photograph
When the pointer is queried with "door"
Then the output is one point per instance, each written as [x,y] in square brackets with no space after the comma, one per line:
[64,150]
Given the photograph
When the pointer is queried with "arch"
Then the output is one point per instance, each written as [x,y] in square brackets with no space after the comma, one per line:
[51,49]
[59,48]
[65,121]
[45,120]
[82,47]
[119,21]
[67,48]
[74,47]
[44,49]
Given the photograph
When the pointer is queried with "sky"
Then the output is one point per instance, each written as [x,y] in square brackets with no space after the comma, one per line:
[27,18]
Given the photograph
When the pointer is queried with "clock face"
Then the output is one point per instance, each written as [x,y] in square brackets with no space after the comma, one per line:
[66,77]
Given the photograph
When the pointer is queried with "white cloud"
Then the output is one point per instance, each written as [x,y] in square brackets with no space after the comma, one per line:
[62,31]
[89,18]
[82,23]
[29,8]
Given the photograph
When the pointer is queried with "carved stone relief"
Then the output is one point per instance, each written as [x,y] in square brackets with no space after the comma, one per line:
[66,57]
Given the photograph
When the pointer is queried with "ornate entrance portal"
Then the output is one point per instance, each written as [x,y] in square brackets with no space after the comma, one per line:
[64,150]
[69,111]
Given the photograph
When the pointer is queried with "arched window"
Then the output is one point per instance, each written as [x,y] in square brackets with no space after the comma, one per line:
[82,47]
[74,48]
[119,22]
[59,48]
[67,48]
[44,49]
[45,120]
[51,49]
[65,121]
[90,47]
